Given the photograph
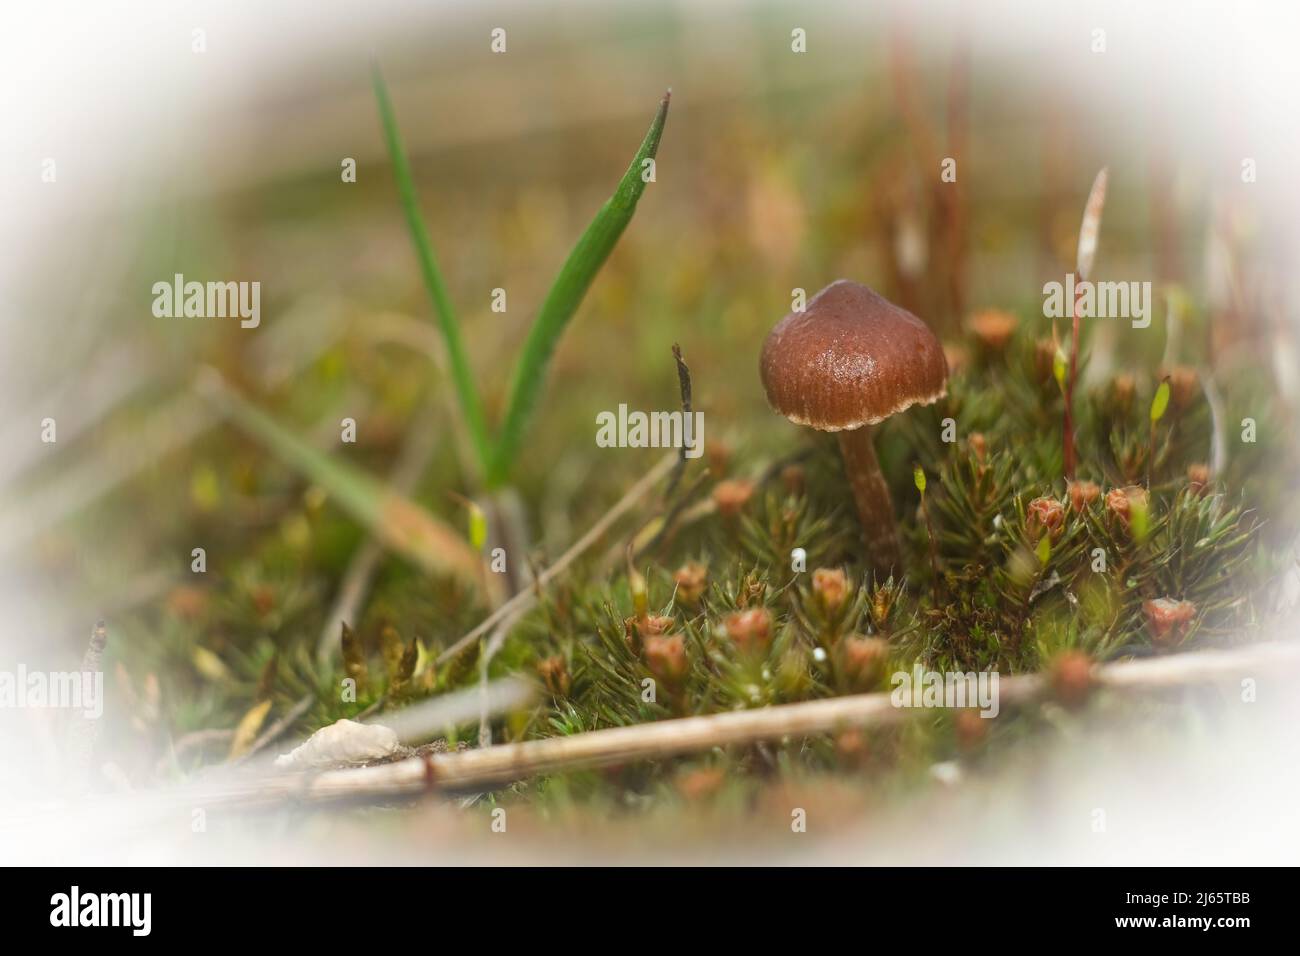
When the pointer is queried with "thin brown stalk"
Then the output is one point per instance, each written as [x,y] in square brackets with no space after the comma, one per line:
[1067,425]
[954,193]
[524,600]
[1087,253]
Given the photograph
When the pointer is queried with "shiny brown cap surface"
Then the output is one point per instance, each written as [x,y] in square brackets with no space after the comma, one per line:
[851,358]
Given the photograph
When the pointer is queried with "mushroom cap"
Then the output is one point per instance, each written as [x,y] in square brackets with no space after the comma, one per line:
[851,358]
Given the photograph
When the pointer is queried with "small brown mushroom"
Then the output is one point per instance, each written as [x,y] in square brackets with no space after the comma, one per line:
[850,360]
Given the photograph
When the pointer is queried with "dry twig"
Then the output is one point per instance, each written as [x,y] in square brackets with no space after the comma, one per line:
[492,766]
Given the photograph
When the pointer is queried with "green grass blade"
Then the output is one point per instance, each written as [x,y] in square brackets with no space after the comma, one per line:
[564,298]
[399,523]
[461,373]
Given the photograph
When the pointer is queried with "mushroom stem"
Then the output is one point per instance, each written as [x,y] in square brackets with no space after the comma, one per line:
[871,495]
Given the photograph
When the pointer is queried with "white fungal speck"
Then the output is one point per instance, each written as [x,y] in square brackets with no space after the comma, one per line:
[342,742]
[947,773]
[819,655]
